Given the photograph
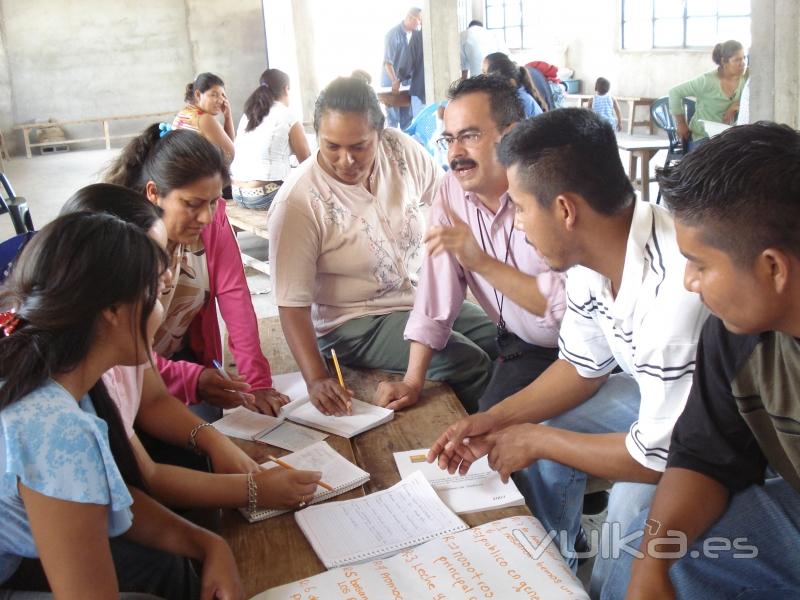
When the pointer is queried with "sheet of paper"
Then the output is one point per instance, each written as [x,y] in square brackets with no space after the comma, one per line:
[245,424]
[486,561]
[380,524]
[291,436]
[294,386]
[480,489]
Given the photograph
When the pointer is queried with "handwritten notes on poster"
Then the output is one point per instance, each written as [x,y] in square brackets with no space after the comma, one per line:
[486,561]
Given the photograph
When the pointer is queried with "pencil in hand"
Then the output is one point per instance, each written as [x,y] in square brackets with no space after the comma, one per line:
[339,375]
[286,465]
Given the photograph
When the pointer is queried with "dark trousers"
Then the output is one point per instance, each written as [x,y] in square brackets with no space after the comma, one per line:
[139,569]
[510,376]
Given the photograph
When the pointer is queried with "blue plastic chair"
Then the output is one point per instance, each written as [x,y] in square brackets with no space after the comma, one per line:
[423,127]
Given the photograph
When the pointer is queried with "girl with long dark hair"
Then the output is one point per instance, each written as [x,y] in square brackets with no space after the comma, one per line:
[268,135]
[69,479]
[182,173]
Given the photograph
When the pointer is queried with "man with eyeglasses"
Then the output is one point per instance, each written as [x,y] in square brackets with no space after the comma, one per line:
[472,244]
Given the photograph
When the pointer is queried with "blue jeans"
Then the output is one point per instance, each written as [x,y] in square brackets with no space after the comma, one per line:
[766,518]
[398,116]
[554,492]
[261,202]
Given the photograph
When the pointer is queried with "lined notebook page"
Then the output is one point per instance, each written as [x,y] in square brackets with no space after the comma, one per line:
[364,416]
[245,424]
[337,471]
[380,524]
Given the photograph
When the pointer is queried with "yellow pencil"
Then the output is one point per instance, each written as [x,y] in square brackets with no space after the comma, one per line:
[286,465]
[338,370]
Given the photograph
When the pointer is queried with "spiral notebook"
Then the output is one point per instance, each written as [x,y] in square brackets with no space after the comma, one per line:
[337,471]
[378,525]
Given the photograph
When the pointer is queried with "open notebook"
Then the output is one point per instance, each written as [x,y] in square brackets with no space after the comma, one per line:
[337,471]
[245,424]
[381,524]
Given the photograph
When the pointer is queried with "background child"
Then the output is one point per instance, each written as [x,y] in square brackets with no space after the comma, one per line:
[604,105]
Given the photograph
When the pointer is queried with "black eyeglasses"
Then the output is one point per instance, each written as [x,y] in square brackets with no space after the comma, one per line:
[469,139]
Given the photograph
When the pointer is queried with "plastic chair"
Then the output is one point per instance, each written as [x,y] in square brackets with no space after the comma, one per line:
[423,127]
[660,115]
[16,207]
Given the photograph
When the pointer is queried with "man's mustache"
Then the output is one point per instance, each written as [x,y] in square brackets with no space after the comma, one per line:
[462,163]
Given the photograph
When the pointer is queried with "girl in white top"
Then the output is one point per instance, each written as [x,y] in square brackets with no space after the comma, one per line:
[267,136]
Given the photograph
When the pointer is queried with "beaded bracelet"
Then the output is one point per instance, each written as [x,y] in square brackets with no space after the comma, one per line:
[252,493]
[193,437]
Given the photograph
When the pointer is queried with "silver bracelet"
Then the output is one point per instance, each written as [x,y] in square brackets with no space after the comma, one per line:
[252,493]
[193,437]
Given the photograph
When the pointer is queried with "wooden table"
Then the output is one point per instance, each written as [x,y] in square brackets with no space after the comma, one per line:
[275,551]
[642,148]
[252,221]
[631,102]
[398,99]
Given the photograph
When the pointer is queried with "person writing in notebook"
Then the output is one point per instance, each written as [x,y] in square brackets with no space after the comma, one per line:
[472,244]
[346,248]
[626,307]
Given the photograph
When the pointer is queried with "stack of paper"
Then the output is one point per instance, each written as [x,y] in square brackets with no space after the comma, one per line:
[480,489]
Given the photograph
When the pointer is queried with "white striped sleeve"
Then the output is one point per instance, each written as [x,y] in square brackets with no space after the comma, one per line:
[581,340]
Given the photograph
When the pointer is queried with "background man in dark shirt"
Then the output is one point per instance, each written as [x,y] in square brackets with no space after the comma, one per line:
[728,506]
[402,50]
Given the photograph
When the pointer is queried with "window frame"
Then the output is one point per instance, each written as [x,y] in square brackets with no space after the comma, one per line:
[521,25]
[685,18]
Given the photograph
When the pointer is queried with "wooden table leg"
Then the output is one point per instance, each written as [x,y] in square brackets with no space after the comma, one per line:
[26,136]
[631,115]
[645,181]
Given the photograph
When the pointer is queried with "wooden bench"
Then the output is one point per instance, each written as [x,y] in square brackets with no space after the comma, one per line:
[252,221]
[103,121]
[629,115]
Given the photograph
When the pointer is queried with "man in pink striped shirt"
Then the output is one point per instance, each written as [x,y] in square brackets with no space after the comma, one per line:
[472,243]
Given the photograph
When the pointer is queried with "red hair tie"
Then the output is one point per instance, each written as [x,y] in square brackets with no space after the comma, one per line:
[9,322]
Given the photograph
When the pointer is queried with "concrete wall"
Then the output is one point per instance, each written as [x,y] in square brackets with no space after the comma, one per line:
[93,58]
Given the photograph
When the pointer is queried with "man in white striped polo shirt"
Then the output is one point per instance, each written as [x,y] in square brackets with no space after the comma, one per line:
[626,308]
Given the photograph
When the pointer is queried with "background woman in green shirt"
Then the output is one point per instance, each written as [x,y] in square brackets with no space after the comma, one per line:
[717,93]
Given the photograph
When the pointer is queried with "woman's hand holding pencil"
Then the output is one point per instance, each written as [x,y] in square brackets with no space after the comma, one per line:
[329,395]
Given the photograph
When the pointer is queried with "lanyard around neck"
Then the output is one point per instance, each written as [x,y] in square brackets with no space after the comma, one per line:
[500,299]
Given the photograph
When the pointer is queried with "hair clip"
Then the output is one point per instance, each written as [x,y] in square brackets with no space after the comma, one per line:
[264,84]
[164,129]
[9,322]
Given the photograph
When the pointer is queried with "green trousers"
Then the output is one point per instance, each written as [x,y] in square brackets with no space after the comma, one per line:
[376,342]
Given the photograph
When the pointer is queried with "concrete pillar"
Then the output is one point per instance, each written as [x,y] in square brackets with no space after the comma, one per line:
[304,24]
[775,62]
[442,63]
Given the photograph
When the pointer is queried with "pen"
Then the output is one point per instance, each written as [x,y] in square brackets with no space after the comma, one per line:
[286,465]
[224,373]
